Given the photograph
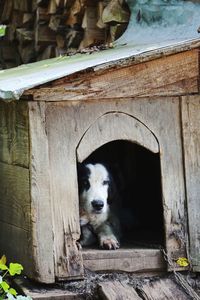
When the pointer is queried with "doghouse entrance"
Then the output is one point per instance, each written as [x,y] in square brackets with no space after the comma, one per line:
[137,174]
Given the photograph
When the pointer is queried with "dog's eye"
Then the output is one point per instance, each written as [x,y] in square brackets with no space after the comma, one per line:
[105,182]
[85,183]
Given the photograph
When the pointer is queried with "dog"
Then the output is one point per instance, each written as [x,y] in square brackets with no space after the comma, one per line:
[98,203]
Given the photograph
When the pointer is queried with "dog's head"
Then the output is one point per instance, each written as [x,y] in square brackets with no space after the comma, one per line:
[94,188]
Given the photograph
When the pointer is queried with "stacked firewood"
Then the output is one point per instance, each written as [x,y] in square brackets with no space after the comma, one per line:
[41,29]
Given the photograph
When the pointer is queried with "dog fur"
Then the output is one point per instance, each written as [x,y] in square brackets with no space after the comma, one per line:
[98,202]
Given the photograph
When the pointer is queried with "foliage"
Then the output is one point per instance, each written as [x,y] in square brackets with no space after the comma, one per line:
[7,292]
[183,262]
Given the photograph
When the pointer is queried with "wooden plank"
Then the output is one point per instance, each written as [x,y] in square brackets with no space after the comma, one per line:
[191,140]
[46,292]
[171,75]
[14,139]
[114,290]
[162,289]
[106,129]
[64,192]
[16,245]
[172,178]
[42,225]
[125,260]
[14,196]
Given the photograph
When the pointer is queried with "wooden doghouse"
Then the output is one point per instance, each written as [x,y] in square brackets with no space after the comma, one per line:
[67,109]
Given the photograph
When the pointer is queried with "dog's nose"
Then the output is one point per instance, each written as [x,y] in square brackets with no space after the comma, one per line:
[97,204]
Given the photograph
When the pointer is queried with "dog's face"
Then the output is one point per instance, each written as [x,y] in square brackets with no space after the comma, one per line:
[94,184]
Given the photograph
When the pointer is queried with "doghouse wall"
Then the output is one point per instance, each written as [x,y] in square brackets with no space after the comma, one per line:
[15,205]
[84,126]
[42,143]
[26,227]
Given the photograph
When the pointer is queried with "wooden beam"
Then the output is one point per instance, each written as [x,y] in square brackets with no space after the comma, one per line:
[172,75]
[127,260]
[64,192]
[42,227]
[191,140]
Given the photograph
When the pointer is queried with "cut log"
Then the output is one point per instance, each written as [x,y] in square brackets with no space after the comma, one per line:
[115,12]
[22,5]
[7,10]
[76,12]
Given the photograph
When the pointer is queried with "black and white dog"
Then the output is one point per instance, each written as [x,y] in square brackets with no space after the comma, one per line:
[98,202]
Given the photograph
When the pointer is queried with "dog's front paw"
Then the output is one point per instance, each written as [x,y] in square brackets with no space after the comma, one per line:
[109,243]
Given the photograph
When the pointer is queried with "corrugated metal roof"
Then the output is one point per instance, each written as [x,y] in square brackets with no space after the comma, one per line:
[154,25]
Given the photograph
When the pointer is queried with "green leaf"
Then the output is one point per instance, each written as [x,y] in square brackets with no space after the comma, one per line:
[12,292]
[15,268]
[5,286]
[3,267]
[3,260]
[2,30]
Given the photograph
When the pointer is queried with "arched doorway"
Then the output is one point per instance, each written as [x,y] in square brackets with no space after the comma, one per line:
[131,151]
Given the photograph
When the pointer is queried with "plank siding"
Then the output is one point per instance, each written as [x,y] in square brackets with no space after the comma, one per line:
[14,139]
[42,225]
[191,138]
[62,138]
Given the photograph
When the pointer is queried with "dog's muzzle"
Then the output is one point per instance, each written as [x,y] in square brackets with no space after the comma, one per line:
[97,205]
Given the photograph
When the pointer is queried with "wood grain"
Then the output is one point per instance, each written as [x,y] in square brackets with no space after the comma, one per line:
[14,139]
[14,194]
[162,289]
[191,139]
[42,225]
[64,191]
[114,290]
[171,75]
[19,247]
[126,260]
[115,126]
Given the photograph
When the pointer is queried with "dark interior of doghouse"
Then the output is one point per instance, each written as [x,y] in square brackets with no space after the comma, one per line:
[137,175]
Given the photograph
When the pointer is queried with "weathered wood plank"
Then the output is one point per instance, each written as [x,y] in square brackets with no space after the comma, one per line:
[172,75]
[106,129]
[162,289]
[15,243]
[127,260]
[14,196]
[191,139]
[64,191]
[14,139]
[42,224]
[114,290]
[45,292]
[172,177]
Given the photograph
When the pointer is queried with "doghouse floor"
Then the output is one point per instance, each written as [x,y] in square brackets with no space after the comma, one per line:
[129,259]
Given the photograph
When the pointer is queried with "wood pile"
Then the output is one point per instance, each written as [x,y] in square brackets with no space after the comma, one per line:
[41,29]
